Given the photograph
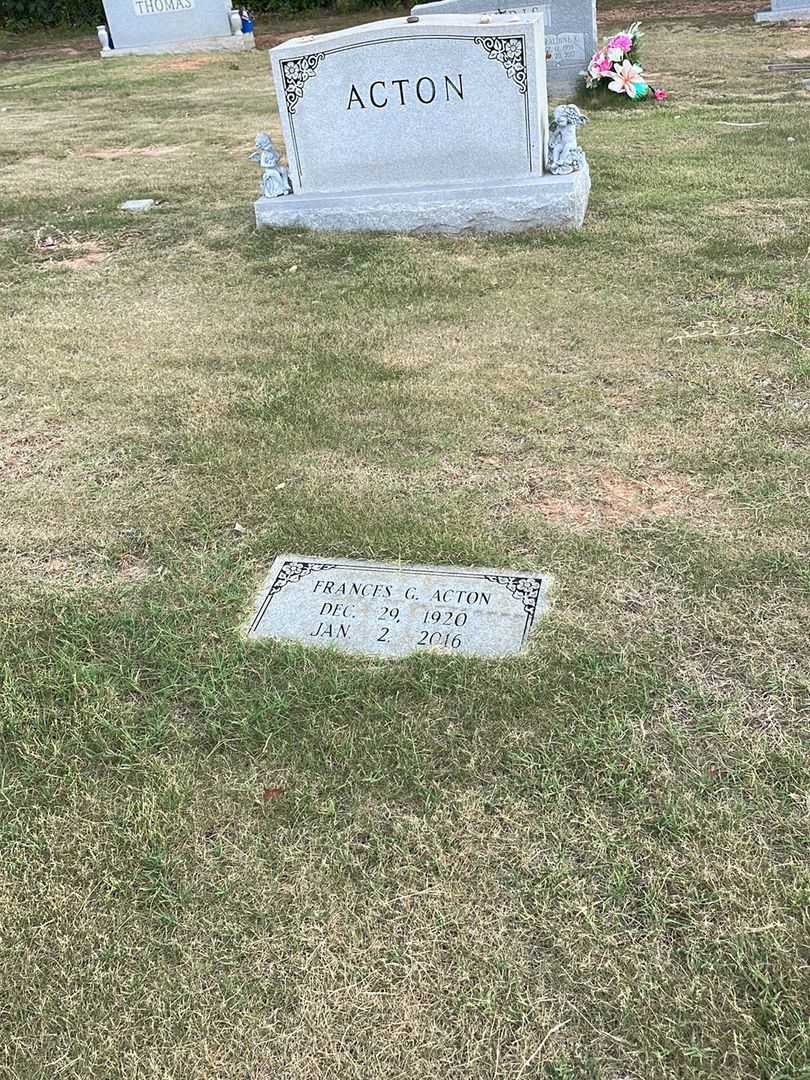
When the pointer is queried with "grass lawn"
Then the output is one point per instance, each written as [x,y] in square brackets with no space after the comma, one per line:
[590,863]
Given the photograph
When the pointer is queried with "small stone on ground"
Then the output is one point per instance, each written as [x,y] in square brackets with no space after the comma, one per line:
[135,206]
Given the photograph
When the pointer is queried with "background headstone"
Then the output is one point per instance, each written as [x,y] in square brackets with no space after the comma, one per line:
[785,11]
[170,26]
[570,25]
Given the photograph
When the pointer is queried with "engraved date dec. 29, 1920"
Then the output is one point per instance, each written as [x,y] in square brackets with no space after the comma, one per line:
[392,610]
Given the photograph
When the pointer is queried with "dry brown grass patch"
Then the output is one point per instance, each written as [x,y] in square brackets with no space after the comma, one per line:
[50,568]
[187,63]
[49,248]
[63,569]
[758,222]
[28,453]
[111,152]
[614,500]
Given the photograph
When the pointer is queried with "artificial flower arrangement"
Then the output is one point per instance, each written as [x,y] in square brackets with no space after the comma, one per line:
[615,67]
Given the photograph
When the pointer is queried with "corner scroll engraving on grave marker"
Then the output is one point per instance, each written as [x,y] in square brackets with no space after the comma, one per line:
[289,571]
[527,590]
[511,53]
[295,73]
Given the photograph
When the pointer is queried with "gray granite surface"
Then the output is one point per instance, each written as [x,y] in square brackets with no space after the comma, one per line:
[391,610]
[556,203]
[449,99]
[158,26]
[784,14]
[571,35]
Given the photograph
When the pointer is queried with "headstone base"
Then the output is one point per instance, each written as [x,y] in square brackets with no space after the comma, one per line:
[545,202]
[564,87]
[227,43]
[785,15]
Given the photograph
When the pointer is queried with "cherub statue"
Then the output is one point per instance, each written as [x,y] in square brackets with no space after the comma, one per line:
[564,156]
[275,178]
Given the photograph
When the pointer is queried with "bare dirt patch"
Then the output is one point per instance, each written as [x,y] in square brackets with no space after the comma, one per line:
[686,9]
[81,262]
[269,41]
[51,52]
[188,63]
[112,152]
[57,250]
[26,453]
[134,570]
[754,298]
[615,500]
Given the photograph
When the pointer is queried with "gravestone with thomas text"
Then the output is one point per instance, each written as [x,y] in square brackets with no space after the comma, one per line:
[785,11]
[171,26]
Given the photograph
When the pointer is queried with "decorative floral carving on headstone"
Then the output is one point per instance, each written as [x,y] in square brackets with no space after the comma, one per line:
[509,51]
[295,74]
[526,590]
[294,571]
[290,571]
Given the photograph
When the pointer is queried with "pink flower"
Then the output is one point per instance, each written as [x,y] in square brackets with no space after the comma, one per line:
[600,65]
[621,41]
[661,95]
[624,77]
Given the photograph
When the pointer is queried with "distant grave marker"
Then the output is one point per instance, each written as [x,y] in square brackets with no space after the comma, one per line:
[171,26]
[391,610]
[785,11]
[570,32]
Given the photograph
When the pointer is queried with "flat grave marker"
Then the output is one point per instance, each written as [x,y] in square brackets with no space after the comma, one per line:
[393,610]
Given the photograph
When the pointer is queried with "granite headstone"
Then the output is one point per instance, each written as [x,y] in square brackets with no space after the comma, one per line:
[437,123]
[785,11]
[393,610]
[171,26]
[571,37]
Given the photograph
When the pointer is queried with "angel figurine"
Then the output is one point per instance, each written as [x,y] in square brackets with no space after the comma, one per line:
[275,178]
[564,156]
